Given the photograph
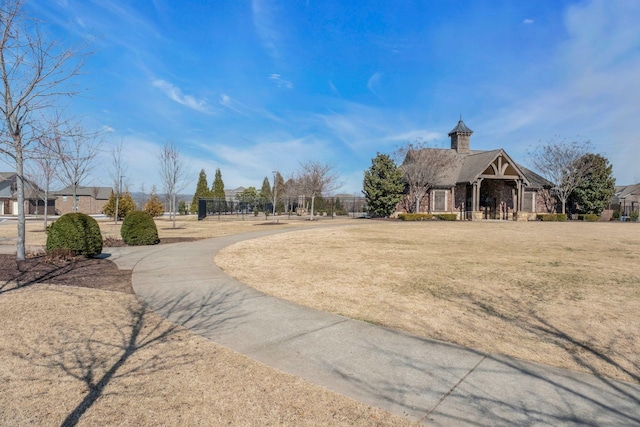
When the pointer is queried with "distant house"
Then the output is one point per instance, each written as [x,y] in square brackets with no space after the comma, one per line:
[485,184]
[626,199]
[91,200]
[33,196]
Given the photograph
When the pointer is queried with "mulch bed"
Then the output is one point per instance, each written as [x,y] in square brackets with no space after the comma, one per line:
[84,272]
[80,271]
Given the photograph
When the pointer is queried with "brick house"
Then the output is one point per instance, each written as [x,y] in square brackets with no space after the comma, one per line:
[485,184]
[91,200]
[33,197]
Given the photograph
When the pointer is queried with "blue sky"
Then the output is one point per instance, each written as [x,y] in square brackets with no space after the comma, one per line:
[257,86]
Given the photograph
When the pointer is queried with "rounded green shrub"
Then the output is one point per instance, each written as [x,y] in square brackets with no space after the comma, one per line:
[76,232]
[138,228]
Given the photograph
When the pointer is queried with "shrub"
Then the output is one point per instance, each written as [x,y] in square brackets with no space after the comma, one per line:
[76,232]
[615,216]
[448,217]
[414,216]
[138,228]
[588,217]
[125,205]
[633,216]
[551,217]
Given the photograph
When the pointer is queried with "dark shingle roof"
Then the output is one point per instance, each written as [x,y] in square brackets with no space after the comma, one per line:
[99,193]
[460,128]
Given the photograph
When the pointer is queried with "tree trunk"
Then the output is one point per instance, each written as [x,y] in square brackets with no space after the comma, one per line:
[173,210]
[20,246]
[46,206]
[313,198]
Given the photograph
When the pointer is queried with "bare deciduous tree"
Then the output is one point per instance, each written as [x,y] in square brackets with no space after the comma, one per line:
[76,151]
[43,172]
[117,171]
[560,162]
[174,175]
[316,179]
[35,73]
[423,166]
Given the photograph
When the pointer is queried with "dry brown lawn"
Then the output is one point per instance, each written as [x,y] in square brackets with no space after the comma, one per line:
[563,294]
[186,227]
[97,357]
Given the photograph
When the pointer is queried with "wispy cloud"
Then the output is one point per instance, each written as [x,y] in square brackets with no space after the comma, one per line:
[174,93]
[264,21]
[373,83]
[244,109]
[280,82]
[528,21]
[334,89]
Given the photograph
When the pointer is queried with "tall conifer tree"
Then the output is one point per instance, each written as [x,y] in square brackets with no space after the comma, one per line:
[202,190]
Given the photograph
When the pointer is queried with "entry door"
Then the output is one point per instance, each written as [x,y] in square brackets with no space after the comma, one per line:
[15,208]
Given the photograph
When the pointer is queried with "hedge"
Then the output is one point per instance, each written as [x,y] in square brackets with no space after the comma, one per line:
[448,217]
[551,217]
[588,217]
[415,216]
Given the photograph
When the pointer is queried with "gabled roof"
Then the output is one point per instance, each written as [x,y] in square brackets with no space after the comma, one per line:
[31,189]
[99,193]
[467,167]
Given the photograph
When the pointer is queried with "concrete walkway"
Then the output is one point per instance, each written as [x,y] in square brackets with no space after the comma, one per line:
[428,381]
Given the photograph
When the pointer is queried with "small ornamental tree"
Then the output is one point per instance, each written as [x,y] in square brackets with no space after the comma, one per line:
[383,186]
[154,206]
[125,205]
[202,190]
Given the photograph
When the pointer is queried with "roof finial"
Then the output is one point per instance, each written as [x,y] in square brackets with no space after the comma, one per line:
[460,116]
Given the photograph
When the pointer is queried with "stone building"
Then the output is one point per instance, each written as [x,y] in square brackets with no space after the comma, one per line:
[485,184]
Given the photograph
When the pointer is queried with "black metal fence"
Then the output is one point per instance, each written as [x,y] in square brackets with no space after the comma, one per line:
[300,206]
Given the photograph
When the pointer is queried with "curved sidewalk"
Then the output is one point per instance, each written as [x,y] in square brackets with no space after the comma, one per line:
[425,380]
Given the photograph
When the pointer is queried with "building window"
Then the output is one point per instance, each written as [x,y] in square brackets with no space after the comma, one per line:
[439,200]
[64,198]
[528,201]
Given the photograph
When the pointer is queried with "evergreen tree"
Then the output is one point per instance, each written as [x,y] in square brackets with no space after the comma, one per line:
[279,192]
[217,189]
[597,186]
[154,206]
[383,186]
[125,205]
[266,197]
[202,190]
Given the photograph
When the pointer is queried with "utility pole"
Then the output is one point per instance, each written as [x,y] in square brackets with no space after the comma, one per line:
[275,193]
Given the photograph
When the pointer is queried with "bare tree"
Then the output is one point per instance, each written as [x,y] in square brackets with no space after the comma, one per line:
[35,73]
[316,179]
[174,175]
[561,163]
[117,171]
[423,166]
[76,151]
[44,172]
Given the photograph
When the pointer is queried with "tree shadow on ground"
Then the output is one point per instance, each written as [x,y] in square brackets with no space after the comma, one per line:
[97,362]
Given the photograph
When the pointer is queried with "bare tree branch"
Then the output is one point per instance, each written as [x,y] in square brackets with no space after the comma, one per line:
[34,74]
[560,162]
[423,166]
[173,173]
[316,179]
